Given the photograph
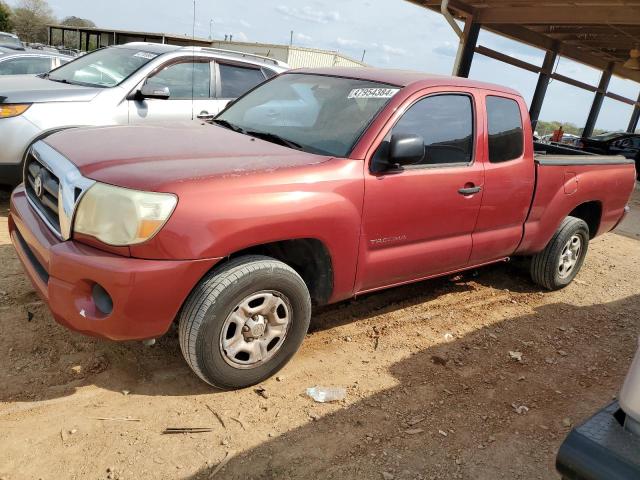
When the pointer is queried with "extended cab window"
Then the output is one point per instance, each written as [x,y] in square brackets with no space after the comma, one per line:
[184,78]
[236,80]
[445,122]
[505,129]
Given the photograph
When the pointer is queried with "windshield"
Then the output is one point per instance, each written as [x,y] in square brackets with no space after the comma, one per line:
[107,67]
[315,113]
[9,41]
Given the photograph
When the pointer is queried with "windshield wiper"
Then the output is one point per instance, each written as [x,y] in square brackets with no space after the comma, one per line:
[59,80]
[225,124]
[272,137]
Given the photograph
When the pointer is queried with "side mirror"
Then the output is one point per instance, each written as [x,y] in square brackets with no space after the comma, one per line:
[158,92]
[405,149]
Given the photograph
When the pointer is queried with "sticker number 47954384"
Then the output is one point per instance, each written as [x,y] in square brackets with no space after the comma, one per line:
[372,92]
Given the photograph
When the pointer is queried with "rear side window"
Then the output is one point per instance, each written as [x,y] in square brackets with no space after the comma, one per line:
[445,122]
[236,80]
[505,129]
[25,65]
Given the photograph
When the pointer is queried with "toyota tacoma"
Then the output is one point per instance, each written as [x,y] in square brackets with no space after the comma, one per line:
[317,186]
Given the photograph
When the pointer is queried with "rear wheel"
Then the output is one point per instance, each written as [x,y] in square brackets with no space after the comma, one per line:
[244,321]
[558,264]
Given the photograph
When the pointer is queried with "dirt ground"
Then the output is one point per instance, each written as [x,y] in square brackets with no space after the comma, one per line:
[432,390]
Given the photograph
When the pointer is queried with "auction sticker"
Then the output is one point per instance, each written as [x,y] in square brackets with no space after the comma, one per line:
[373,92]
[147,55]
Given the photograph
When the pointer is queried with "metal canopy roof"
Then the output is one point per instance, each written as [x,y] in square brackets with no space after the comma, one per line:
[594,32]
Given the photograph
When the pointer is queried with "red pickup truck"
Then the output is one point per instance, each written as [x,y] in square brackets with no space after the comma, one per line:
[316,186]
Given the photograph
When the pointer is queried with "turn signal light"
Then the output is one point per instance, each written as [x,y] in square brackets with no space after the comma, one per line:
[13,110]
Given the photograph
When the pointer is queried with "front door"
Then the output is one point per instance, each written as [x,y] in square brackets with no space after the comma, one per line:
[418,221]
[190,94]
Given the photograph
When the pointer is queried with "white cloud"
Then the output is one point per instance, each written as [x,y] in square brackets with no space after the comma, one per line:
[349,42]
[393,50]
[309,13]
[302,37]
[447,49]
[244,23]
[240,37]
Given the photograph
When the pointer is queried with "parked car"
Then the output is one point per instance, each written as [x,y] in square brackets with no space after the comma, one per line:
[127,84]
[615,143]
[316,186]
[30,62]
[607,446]
[9,40]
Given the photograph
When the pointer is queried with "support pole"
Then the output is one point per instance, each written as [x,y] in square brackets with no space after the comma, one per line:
[635,116]
[49,35]
[466,48]
[541,86]
[597,101]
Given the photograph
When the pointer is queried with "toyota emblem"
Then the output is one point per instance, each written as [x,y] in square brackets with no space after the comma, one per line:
[37,186]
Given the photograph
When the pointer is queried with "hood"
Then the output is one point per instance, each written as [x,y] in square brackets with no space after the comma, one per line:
[32,89]
[156,157]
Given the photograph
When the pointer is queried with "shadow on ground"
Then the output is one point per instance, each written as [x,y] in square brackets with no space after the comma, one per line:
[573,362]
[52,354]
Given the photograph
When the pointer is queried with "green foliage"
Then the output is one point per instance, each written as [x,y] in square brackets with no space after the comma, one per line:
[30,19]
[71,38]
[5,18]
[77,22]
[546,128]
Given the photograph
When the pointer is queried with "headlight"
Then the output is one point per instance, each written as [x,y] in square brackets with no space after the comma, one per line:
[9,110]
[120,216]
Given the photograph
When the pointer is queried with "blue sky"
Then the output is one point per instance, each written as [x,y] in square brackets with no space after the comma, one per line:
[394,33]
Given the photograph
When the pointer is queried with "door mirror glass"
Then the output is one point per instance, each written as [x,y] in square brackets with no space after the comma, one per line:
[155,91]
[405,149]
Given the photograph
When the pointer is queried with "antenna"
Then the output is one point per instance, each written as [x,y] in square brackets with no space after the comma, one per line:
[193,58]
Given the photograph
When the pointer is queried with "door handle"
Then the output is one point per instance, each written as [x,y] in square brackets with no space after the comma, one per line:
[204,115]
[469,190]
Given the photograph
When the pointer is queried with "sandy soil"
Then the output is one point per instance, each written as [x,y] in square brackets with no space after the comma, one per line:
[432,390]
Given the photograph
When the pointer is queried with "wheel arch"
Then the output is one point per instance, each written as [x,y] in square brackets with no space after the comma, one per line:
[591,213]
[309,257]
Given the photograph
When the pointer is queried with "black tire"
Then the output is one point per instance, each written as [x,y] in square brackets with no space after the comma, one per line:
[203,316]
[545,265]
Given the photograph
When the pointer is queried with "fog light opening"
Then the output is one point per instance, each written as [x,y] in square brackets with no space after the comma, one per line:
[102,299]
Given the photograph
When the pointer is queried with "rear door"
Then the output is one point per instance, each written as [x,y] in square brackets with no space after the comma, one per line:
[191,90]
[416,221]
[508,181]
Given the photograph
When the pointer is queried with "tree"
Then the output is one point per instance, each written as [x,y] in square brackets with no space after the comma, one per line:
[77,22]
[30,19]
[71,38]
[5,18]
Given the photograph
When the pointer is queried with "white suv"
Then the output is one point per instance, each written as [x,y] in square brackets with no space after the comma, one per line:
[125,84]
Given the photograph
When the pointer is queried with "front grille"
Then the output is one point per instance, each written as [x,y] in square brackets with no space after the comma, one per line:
[43,188]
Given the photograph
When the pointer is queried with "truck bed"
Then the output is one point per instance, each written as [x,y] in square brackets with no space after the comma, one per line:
[578,159]
[570,180]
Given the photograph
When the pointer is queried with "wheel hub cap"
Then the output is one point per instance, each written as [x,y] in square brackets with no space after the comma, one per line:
[569,256]
[255,329]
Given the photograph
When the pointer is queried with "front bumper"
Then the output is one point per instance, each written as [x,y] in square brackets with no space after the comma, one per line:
[146,294]
[600,449]
[16,134]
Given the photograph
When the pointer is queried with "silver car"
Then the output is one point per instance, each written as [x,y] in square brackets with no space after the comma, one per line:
[126,84]
[30,62]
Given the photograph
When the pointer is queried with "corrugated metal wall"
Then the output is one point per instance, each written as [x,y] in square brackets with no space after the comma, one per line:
[296,57]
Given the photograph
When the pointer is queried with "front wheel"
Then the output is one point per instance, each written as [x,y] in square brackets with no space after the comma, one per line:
[558,264]
[244,321]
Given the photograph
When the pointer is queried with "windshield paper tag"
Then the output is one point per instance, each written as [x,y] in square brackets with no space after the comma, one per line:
[373,92]
[147,55]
